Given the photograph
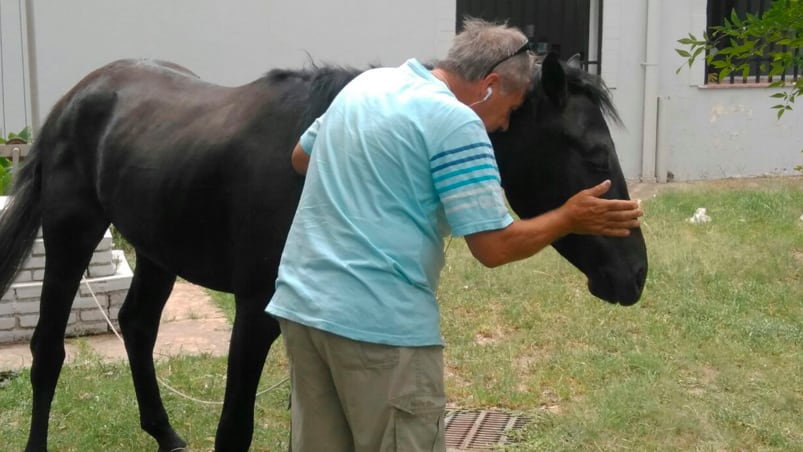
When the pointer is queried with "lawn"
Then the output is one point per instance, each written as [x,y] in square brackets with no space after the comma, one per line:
[711,358]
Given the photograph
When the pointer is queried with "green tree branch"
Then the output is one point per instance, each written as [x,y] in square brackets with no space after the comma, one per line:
[776,36]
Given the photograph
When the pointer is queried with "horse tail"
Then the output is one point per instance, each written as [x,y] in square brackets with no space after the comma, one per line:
[20,220]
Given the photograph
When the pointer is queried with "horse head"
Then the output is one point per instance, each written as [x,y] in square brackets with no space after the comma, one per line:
[558,144]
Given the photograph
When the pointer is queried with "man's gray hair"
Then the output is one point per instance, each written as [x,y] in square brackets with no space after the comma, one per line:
[482,44]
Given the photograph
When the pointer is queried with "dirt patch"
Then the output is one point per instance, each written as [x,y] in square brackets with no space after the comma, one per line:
[191,324]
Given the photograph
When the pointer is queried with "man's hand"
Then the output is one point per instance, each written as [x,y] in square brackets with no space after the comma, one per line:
[587,213]
[299,160]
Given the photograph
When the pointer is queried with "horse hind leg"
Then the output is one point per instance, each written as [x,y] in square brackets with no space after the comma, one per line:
[70,239]
[139,321]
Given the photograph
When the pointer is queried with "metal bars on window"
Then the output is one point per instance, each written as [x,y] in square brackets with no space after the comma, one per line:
[759,66]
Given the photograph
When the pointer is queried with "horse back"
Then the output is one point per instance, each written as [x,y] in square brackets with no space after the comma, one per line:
[195,176]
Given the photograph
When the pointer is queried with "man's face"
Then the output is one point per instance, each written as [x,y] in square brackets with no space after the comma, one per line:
[495,111]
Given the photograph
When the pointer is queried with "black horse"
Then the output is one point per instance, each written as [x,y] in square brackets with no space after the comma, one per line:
[197,178]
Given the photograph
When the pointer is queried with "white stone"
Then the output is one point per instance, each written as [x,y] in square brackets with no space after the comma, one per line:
[105,242]
[38,247]
[117,298]
[101,257]
[7,307]
[89,302]
[106,269]
[29,321]
[30,306]
[8,323]
[23,277]
[91,315]
[9,337]
[34,262]
[28,290]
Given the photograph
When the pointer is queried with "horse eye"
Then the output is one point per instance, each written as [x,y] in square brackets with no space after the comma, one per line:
[598,159]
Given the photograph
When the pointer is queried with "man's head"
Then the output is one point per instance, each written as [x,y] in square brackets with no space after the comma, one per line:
[495,63]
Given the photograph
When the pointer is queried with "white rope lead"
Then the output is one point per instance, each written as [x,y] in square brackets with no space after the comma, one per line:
[164,383]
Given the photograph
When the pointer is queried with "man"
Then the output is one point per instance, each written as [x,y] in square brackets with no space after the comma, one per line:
[400,158]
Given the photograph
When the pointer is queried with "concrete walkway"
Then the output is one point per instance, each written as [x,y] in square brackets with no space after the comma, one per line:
[191,324]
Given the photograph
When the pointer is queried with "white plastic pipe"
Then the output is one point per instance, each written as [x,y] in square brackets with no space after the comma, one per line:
[33,75]
[650,112]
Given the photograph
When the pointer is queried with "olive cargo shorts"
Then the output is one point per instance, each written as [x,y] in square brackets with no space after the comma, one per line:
[357,396]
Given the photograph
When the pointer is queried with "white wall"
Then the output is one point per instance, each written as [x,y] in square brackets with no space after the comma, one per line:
[621,69]
[15,112]
[703,132]
[232,43]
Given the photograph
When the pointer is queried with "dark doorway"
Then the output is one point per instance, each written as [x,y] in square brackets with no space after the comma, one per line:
[566,27]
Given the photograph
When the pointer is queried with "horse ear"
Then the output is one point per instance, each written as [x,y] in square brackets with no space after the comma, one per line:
[574,61]
[553,80]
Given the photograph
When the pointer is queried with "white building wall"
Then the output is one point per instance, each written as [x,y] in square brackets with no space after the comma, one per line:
[232,43]
[14,102]
[703,132]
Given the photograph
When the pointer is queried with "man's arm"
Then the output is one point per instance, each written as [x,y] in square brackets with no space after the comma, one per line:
[300,159]
[583,213]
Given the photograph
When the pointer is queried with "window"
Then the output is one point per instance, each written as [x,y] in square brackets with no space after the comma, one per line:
[566,27]
[718,12]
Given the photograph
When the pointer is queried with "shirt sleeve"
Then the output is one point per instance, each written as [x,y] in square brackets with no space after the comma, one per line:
[467,181]
[308,138]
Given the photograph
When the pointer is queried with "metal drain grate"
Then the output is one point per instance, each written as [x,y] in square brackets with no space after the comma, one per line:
[477,430]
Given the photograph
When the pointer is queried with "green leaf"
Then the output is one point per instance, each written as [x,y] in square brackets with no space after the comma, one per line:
[25,134]
[778,95]
[683,53]
[735,18]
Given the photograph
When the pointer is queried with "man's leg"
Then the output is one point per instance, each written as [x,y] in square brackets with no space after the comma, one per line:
[393,397]
[318,422]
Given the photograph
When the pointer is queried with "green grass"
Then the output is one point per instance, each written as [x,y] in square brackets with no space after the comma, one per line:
[710,359]
[95,408]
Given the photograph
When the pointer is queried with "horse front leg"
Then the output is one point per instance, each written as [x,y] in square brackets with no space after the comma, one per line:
[253,333]
[139,322]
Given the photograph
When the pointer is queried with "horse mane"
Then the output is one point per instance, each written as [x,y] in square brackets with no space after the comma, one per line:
[591,85]
[324,83]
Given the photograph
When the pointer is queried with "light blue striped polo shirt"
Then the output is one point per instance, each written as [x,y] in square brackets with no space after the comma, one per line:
[397,162]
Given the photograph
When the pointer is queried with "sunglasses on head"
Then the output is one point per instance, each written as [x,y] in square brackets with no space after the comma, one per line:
[526,47]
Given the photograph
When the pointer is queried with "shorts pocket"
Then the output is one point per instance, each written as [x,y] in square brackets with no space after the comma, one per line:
[419,424]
